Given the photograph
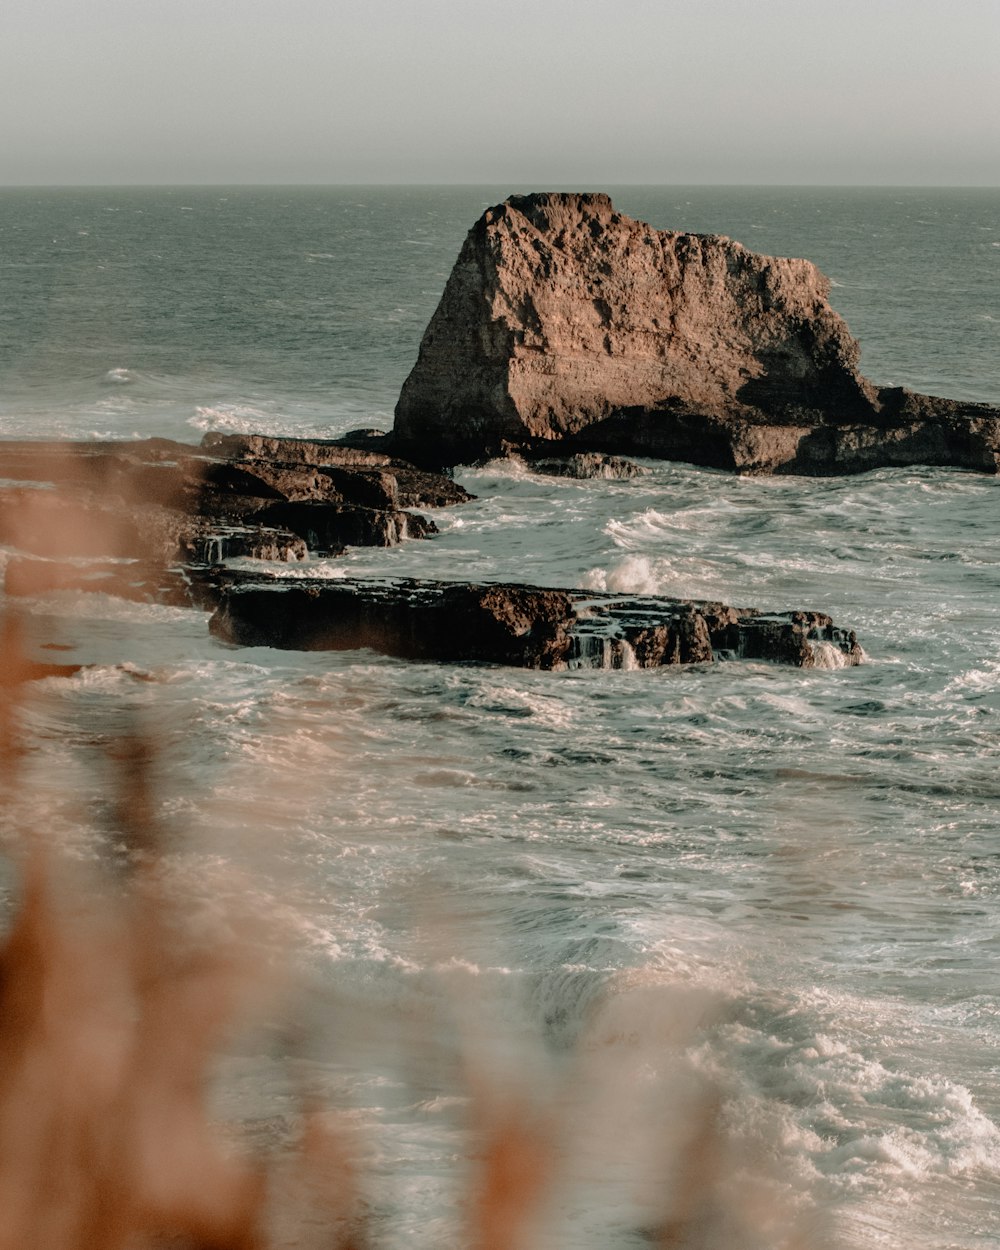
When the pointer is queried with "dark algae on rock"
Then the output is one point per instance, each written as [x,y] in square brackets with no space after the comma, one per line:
[567,325]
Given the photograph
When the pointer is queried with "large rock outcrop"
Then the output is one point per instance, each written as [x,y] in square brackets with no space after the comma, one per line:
[523,626]
[565,322]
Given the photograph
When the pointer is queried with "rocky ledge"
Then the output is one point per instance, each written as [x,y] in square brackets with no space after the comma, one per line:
[524,626]
[152,519]
[566,326]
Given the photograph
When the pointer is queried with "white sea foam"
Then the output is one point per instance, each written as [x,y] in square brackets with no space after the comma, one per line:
[827,655]
[311,568]
[91,607]
[231,419]
[634,574]
[983,678]
[506,467]
[749,830]
[639,530]
[547,710]
[629,663]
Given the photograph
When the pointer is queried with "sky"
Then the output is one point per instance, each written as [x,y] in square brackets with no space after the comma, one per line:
[547,93]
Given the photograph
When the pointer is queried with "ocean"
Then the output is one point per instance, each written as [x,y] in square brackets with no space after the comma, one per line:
[608,887]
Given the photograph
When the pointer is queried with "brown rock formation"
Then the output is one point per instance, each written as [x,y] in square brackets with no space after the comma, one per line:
[566,322]
[366,475]
[151,519]
[523,626]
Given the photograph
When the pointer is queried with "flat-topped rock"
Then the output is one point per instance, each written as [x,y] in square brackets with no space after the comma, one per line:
[152,516]
[524,626]
[566,322]
[347,465]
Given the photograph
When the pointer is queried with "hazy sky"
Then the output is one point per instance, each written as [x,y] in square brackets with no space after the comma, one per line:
[548,93]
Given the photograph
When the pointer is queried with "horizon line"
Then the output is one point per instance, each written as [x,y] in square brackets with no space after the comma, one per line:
[555,186]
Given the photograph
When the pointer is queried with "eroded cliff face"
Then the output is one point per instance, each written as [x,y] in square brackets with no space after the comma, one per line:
[565,321]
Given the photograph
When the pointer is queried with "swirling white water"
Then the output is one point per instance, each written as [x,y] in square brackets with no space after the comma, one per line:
[802,866]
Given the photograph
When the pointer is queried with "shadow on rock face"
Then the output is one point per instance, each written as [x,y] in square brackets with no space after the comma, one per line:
[566,323]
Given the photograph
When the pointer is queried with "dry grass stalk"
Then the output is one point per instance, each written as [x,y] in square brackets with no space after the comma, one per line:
[514,1173]
[113,1009]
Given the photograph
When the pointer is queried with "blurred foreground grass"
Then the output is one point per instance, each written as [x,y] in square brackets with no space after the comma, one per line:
[116,1003]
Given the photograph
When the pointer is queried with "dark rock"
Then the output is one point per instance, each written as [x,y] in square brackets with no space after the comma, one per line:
[212,543]
[328,529]
[359,474]
[141,513]
[312,451]
[367,438]
[417,488]
[564,322]
[525,626]
[54,526]
[58,525]
[587,464]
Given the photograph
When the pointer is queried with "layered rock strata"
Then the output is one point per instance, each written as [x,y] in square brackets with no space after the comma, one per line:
[523,626]
[152,519]
[567,323]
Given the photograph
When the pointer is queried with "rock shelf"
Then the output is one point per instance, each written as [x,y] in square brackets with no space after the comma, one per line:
[151,519]
[524,626]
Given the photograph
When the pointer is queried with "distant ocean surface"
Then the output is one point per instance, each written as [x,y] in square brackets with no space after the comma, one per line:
[813,856]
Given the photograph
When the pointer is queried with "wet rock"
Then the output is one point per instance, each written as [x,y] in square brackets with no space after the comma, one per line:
[565,322]
[351,469]
[153,516]
[368,438]
[267,447]
[588,464]
[329,529]
[54,526]
[523,626]
[212,543]
[58,525]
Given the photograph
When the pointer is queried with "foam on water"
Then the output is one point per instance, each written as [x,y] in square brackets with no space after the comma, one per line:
[827,655]
[230,419]
[777,882]
[634,575]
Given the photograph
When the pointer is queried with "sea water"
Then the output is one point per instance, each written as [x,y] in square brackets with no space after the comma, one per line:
[788,878]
